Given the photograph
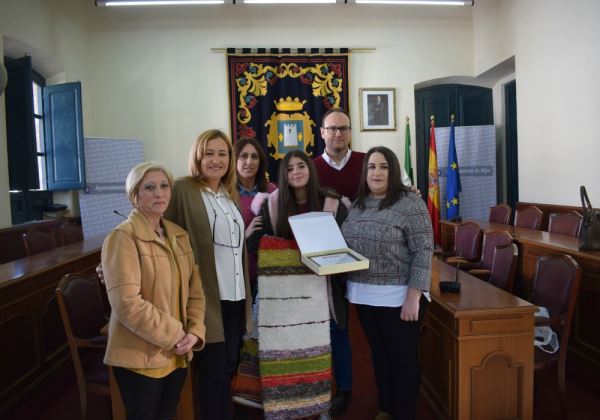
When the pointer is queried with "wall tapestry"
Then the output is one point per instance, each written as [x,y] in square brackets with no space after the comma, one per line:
[280,98]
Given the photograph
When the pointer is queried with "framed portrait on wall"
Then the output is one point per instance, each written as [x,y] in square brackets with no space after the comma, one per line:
[377,109]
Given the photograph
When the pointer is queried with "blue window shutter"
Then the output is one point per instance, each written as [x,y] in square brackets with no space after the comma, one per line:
[63,129]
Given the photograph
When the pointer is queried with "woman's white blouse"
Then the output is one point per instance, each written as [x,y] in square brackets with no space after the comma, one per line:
[227,228]
[376,294]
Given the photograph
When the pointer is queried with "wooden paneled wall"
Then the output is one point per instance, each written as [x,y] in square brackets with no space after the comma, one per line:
[34,344]
[549,209]
[11,242]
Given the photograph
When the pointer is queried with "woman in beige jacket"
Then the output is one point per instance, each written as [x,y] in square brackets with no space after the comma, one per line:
[156,297]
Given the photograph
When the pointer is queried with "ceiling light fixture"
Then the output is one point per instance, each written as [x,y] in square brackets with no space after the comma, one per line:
[289,1]
[113,3]
[419,2]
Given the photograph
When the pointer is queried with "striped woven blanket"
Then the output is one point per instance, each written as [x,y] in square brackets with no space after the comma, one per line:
[246,388]
[294,349]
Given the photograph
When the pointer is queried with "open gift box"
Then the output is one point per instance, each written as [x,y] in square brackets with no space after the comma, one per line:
[322,246]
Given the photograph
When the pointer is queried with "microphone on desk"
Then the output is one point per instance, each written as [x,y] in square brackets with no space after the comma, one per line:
[120,214]
[452,286]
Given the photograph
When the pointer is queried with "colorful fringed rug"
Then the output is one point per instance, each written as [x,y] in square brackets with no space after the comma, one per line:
[246,388]
[294,349]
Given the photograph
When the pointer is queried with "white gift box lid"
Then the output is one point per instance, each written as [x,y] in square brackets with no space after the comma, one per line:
[317,231]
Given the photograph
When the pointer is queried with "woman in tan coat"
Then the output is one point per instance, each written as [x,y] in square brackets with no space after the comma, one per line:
[156,297]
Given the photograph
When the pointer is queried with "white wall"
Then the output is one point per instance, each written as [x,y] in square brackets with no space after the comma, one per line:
[150,73]
[555,44]
[154,76]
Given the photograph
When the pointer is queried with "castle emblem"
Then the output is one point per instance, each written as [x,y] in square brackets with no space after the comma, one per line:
[288,128]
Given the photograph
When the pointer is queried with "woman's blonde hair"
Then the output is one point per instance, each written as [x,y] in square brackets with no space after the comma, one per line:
[229,180]
[137,174]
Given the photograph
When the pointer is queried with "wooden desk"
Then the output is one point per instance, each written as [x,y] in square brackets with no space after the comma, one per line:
[34,343]
[477,351]
[585,334]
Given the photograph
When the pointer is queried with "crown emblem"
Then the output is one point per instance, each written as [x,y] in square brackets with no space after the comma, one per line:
[288,104]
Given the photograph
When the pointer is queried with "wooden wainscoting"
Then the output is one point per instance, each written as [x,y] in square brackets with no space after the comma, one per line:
[34,343]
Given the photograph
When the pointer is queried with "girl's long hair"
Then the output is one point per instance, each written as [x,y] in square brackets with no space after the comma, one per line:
[287,205]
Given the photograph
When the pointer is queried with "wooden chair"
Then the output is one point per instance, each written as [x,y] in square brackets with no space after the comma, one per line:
[70,233]
[555,286]
[500,214]
[565,223]
[467,243]
[491,240]
[504,266]
[83,316]
[529,217]
[36,241]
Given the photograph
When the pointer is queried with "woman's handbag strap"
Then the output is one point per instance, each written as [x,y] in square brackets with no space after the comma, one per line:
[585,201]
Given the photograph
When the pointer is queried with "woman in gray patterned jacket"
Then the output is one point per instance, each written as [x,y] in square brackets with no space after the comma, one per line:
[390,226]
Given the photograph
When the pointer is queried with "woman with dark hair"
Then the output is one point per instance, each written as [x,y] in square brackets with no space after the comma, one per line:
[390,226]
[251,164]
[293,309]
[299,192]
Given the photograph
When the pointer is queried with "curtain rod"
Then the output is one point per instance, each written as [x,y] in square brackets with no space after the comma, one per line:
[352,50]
